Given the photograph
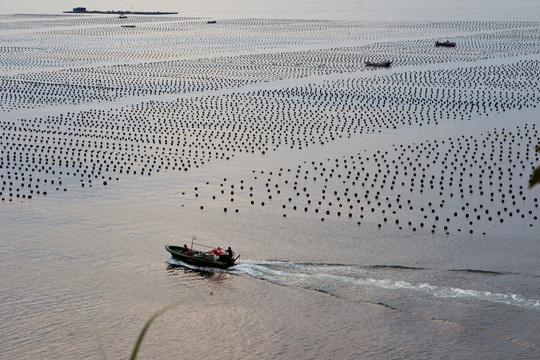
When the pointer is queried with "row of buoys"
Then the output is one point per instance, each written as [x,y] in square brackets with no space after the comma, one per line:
[91,146]
[143,138]
[151,73]
[437,194]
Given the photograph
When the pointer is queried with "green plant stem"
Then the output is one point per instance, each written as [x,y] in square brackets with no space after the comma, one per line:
[145,329]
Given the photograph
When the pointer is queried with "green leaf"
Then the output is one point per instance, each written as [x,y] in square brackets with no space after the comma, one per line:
[535,178]
[145,329]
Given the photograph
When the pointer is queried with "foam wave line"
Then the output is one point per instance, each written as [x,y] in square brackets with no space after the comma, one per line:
[478,271]
[318,277]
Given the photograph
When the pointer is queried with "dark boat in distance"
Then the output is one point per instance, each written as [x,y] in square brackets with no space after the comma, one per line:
[446,43]
[215,258]
[385,64]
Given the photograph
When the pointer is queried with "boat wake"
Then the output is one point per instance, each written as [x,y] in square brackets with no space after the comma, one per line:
[346,281]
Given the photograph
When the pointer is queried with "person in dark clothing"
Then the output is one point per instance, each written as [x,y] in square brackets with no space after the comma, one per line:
[228,256]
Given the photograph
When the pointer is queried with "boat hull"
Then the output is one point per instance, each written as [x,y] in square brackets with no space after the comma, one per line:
[198,258]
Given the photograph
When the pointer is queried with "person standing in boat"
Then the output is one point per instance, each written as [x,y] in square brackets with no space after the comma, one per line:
[228,256]
[185,249]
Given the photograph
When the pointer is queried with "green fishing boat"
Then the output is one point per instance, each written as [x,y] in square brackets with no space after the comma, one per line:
[216,257]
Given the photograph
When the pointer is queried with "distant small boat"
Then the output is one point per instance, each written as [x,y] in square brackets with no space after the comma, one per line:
[385,64]
[122,17]
[128,26]
[446,43]
[211,22]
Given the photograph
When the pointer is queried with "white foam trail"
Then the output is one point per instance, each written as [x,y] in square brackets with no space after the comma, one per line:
[318,280]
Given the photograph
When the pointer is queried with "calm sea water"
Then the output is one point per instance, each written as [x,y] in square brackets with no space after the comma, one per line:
[84,269]
[417,10]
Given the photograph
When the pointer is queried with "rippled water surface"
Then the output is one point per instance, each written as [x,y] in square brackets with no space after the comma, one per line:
[378,213]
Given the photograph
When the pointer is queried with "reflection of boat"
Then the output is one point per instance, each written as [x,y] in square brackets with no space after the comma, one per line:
[379,64]
[446,43]
[201,258]
[128,26]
